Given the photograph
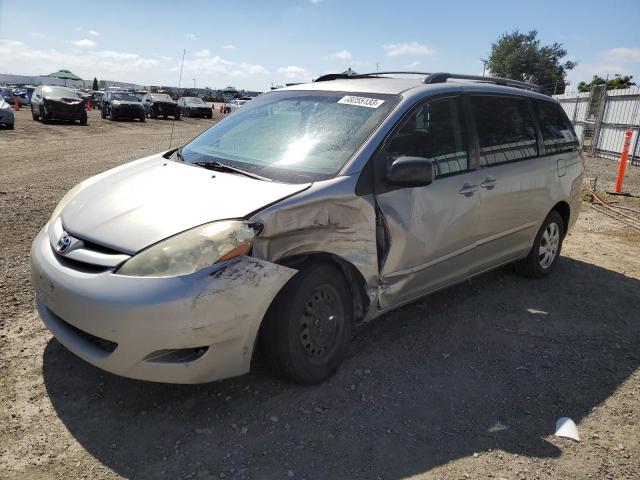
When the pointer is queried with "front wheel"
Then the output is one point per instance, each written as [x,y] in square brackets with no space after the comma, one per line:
[33,114]
[83,120]
[545,252]
[309,326]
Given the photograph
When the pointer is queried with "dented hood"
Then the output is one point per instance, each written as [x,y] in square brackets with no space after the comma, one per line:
[138,204]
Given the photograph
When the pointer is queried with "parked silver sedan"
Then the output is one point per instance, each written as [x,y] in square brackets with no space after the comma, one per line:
[306,211]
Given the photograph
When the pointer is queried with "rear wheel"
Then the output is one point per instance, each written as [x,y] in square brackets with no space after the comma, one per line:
[11,126]
[545,252]
[103,112]
[142,118]
[309,326]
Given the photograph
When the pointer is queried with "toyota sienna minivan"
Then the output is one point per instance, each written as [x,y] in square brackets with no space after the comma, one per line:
[308,210]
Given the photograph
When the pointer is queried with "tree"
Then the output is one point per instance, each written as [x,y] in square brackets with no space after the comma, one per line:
[95,84]
[617,82]
[520,56]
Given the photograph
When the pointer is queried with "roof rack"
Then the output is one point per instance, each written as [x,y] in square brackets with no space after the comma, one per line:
[442,77]
[338,76]
[439,77]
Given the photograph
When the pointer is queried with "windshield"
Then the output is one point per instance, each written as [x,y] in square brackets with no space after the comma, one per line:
[193,101]
[162,97]
[59,92]
[293,136]
[126,97]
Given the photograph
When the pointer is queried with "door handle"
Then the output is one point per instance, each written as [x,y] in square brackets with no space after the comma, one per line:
[488,183]
[467,189]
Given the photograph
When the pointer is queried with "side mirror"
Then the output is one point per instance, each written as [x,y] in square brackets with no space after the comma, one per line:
[410,172]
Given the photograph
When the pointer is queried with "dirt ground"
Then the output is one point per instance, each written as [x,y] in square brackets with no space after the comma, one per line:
[465,384]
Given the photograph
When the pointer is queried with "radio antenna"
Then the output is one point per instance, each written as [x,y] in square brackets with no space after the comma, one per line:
[179,82]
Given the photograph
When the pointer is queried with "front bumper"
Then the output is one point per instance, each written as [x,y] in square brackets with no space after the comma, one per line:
[144,328]
[64,111]
[128,111]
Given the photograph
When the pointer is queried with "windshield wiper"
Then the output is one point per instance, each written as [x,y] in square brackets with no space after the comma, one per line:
[222,167]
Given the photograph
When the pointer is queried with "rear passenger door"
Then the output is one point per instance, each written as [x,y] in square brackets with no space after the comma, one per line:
[514,181]
[430,230]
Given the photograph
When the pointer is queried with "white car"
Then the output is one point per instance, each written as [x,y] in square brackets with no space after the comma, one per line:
[236,104]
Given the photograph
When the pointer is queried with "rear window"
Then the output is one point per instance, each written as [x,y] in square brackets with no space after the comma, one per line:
[557,132]
[506,131]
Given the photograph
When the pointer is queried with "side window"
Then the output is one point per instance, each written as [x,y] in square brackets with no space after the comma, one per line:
[506,131]
[435,131]
[557,132]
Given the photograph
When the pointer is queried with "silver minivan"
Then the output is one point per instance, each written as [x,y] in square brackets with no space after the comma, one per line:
[309,209]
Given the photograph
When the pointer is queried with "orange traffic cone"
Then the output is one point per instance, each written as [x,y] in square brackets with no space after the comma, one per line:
[88,105]
[221,107]
[16,104]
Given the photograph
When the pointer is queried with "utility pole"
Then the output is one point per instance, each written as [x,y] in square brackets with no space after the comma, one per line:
[377,66]
[484,65]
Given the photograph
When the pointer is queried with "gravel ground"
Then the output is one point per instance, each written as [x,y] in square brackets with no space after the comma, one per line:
[465,384]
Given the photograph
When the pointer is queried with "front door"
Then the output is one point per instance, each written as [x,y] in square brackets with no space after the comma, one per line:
[430,231]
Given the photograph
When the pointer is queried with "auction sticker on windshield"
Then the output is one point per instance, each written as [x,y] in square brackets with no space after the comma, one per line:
[361,101]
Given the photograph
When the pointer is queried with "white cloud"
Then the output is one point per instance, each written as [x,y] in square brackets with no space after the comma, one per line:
[77,29]
[204,63]
[85,42]
[621,54]
[413,64]
[315,2]
[109,64]
[94,33]
[36,35]
[191,36]
[293,71]
[229,47]
[406,48]
[341,55]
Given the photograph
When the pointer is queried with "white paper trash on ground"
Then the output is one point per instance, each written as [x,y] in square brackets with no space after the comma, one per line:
[565,427]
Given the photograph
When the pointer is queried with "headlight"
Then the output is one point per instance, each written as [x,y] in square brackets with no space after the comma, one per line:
[192,250]
[4,106]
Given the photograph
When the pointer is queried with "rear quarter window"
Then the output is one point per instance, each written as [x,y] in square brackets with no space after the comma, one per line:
[557,132]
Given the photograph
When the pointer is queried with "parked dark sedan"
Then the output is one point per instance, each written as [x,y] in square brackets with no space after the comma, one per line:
[117,105]
[160,105]
[194,107]
[59,103]
[6,95]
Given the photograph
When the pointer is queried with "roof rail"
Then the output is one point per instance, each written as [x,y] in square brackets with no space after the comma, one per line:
[439,77]
[442,77]
[337,76]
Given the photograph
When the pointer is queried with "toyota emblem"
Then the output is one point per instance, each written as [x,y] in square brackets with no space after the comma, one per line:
[64,243]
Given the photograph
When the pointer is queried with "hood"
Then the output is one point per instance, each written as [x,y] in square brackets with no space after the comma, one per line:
[141,203]
[70,101]
[126,102]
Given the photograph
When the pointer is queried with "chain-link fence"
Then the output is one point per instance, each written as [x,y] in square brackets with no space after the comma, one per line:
[601,117]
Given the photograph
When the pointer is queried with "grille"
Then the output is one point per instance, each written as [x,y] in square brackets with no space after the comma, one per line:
[103,344]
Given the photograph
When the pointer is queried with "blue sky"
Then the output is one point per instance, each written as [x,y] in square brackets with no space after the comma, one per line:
[256,44]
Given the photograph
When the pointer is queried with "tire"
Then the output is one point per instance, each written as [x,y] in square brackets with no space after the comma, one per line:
[142,118]
[33,114]
[11,126]
[154,114]
[177,117]
[83,120]
[297,349]
[44,116]
[112,115]
[103,112]
[544,254]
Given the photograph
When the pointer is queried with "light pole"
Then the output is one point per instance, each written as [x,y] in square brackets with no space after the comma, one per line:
[484,65]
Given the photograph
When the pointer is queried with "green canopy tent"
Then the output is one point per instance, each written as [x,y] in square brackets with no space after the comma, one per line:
[64,75]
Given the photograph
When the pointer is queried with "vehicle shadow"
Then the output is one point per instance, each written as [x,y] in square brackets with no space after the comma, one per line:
[489,364]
